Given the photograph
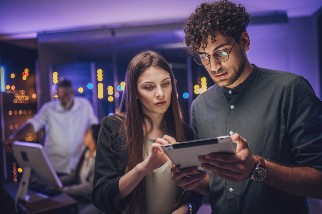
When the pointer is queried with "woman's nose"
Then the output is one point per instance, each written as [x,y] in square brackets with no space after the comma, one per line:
[159,93]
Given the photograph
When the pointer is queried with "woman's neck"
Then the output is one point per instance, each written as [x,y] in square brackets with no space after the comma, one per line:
[155,131]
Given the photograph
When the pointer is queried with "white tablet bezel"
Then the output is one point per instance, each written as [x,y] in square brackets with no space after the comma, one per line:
[185,154]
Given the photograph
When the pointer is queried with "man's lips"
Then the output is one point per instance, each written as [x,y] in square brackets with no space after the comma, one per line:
[221,75]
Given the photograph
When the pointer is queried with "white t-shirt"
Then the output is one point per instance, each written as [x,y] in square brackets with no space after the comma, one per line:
[65,131]
[162,193]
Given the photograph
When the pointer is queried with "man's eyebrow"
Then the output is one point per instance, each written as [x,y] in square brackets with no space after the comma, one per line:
[215,49]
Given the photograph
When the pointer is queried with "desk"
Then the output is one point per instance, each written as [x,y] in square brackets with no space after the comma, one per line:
[59,204]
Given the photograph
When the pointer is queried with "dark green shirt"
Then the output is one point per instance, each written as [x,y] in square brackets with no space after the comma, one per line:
[281,118]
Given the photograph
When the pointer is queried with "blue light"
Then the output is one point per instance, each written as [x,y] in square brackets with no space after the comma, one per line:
[119,88]
[185,95]
[2,79]
[90,86]
[111,114]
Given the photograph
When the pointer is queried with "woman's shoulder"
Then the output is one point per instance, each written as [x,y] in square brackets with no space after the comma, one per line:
[113,123]
[115,119]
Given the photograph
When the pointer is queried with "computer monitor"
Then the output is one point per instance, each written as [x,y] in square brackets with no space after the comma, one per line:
[32,158]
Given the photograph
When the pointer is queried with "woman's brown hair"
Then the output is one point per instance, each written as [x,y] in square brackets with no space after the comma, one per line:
[135,118]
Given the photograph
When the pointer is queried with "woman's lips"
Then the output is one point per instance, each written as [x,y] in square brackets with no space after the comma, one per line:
[161,103]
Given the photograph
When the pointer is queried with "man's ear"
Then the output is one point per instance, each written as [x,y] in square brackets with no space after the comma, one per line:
[245,41]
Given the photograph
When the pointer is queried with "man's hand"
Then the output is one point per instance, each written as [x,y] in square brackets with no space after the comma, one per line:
[234,167]
[190,179]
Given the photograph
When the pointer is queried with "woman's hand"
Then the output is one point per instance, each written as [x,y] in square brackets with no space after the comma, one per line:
[157,157]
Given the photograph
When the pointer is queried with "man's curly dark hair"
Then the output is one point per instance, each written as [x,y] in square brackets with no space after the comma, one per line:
[222,16]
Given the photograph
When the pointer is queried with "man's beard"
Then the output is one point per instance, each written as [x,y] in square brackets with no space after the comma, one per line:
[235,75]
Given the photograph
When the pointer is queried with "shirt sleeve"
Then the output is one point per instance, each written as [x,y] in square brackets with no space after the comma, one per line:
[92,116]
[304,113]
[41,118]
[106,193]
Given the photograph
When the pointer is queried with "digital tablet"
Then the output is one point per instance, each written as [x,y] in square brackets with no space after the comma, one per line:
[186,153]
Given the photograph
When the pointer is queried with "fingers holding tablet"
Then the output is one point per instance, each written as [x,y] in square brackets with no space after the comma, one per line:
[188,178]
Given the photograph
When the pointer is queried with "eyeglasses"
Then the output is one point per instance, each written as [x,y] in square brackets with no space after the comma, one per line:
[219,56]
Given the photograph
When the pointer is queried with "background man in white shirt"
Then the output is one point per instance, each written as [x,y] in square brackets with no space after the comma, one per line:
[65,121]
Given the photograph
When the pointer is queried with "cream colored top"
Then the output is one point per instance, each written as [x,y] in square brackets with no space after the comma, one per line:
[162,193]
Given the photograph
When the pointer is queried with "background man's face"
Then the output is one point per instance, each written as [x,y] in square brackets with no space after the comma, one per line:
[65,95]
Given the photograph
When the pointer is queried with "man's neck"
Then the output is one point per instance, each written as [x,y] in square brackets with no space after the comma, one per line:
[245,74]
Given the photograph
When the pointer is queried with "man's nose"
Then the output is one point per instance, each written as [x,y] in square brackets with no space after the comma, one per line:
[214,64]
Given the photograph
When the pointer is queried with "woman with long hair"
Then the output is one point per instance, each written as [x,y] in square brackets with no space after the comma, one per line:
[132,173]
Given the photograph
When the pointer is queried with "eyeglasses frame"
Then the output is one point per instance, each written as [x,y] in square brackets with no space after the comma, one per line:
[196,58]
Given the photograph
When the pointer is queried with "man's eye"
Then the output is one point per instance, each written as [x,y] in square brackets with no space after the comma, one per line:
[220,54]
[204,57]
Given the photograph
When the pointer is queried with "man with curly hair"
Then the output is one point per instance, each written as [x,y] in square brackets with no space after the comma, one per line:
[274,117]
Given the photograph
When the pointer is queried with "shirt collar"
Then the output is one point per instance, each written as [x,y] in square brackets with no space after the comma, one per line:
[241,87]
[59,108]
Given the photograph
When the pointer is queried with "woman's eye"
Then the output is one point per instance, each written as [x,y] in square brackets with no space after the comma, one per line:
[148,87]
[164,84]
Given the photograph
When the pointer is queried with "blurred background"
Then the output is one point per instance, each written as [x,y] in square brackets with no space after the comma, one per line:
[91,43]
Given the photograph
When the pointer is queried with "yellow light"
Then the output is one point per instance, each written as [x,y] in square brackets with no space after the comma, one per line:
[80,89]
[110,88]
[196,87]
[100,94]
[203,79]
[12,75]
[123,84]
[55,77]
[19,170]
[29,138]
[55,96]
[7,87]
[34,96]
[24,77]
[99,75]
[110,98]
